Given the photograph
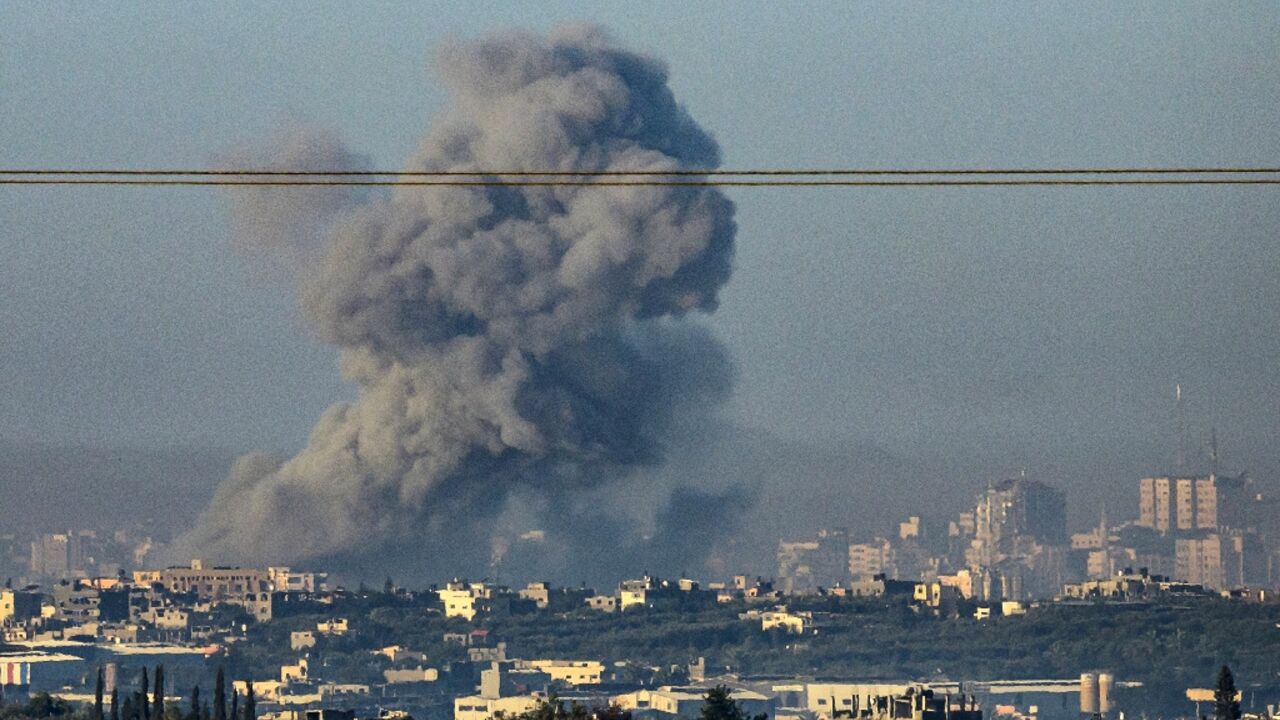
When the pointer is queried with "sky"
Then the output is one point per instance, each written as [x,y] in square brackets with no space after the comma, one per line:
[959,334]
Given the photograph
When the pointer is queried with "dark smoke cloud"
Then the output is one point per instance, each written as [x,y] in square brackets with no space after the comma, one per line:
[501,339]
[285,227]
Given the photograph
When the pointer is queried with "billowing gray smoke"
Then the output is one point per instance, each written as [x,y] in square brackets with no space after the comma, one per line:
[500,338]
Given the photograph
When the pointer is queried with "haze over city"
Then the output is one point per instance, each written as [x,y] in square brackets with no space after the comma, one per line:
[446,320]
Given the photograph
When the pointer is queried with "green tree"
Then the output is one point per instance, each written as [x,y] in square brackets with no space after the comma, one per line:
[195,704]
[1225,704]
[720,705]
[220,696]
[235,705]
[115,704]
[250,703]
[143,707]
[97,695]
[157,704]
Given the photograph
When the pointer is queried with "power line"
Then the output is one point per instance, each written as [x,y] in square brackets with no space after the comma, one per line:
[640,183]
[646,173]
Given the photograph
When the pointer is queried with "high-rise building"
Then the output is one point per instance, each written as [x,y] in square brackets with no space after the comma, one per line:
[870,559]
[57,556]
[808,565]
[1020,538]
[1012,513]
[1184,504]
[1222,560]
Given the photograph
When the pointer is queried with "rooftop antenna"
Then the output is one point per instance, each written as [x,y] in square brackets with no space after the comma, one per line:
[1213,450]
[1180,458]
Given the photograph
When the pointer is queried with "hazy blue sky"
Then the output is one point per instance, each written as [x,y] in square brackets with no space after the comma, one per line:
[1018,327]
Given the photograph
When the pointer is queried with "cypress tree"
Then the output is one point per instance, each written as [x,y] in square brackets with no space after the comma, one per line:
[250,704]
[144,709]
[97,696]
[115,704]
[157,704]
[129,710]
[1225,704]
[235,705]
[195,704]
[220,696]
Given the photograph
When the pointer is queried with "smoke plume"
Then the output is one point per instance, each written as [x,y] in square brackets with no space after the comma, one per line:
[500,338]
[284,228]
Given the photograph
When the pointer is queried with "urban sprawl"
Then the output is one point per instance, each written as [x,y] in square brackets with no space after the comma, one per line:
[943,620]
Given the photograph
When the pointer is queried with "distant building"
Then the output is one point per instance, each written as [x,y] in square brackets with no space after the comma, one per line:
[807,565]
[301,640]
[1221,561]
[1182,504]
[870,559]
[18,606]
[335,626]
[60,556]
[682,702]
[568,672]
[538,592]
[1020,544]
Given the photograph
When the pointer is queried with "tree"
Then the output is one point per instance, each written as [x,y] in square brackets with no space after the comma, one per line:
[195,704]
[157,705]
[143,708]
[130,710]
[220,696]
[115,704]
[610,712]
[250,704]
[720,705]
[1225,704]
[235,705]
[97,695]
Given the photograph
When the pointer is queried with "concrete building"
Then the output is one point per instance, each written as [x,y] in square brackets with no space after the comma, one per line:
[807,565]
[477,707]
[870,559]
[301,640]
[214,583]
[567,672]
[18,606]
[650,592]
[685,702]
[59,555]
[1187,503]
[538,592]
[335,626]
[1020,543]
[1221,561]
[780,618]
[284,579]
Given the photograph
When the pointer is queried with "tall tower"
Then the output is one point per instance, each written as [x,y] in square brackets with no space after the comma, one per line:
[1213,450]
[1180,458]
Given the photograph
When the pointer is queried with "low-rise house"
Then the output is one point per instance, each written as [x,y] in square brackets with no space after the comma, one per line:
[301,640]
[411,675]
[400,653]
[337,626]
[603,603]
[568,672]
[538,592]
[682,702]
[476,707]
[296,673]
[782,619]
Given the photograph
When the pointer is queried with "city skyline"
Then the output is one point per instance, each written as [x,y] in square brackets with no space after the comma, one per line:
[417,360]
